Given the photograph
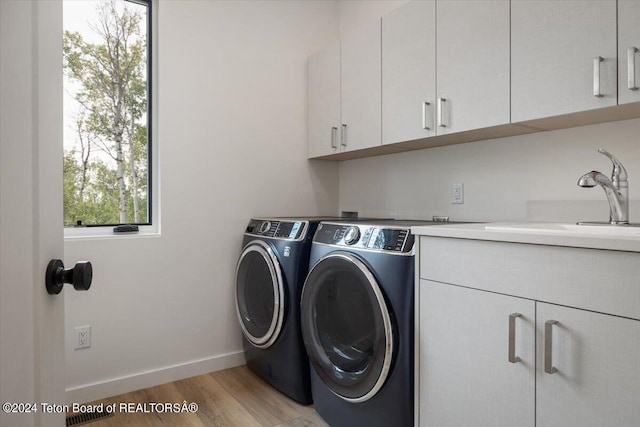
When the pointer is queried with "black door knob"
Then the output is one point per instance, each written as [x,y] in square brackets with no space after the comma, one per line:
[79,276]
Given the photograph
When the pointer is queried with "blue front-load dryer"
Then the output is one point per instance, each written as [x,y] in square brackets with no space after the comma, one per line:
[270,273]
[357,311]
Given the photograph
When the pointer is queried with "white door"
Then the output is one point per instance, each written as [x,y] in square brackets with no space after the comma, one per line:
[409,72]
[324,101]
[555,51]
[628,51]
[469,374]
[31,321]
[361,92]
[473,65]
[596,382]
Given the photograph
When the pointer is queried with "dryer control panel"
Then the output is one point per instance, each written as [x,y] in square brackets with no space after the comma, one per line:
[279,229]
[365,236]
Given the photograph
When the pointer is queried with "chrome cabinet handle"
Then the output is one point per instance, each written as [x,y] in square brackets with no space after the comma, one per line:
[631,68]
[334,143]
[596,76]
[343,136]
[440,122]
[548,347]
[425,110]
[512,338]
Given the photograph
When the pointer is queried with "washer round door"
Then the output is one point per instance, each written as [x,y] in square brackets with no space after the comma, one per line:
[259,294]
[346,327]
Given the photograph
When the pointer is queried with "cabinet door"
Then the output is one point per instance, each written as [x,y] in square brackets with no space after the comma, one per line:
[409,72]
[628,51]
[473,64]
[597,383]
[324,101]
[361,88]
[555,46]
[465,377]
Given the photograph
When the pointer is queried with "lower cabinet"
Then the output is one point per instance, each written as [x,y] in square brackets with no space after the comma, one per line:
[597,358]
[488,359]
[465,376]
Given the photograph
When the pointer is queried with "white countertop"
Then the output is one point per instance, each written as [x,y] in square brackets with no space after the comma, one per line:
[535,233]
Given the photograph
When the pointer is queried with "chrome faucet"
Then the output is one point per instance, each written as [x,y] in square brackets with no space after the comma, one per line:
[616,189]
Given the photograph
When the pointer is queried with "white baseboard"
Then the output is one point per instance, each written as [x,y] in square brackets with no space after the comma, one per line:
[125,384]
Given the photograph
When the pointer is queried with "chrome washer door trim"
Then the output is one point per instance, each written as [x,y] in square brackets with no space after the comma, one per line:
[272,334]
[386,322]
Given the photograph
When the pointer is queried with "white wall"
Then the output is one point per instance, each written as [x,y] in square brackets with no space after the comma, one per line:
[232,140]
[527,177]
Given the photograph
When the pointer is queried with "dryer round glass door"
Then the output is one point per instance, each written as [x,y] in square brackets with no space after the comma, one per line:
[259,294]
[346,327]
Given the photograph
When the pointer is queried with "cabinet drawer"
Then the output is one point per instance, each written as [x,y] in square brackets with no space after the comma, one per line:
[598,280]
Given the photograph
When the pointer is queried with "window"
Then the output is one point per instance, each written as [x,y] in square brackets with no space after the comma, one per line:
[107,117]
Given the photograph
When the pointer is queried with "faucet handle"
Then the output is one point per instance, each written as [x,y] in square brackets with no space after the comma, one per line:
[619,173]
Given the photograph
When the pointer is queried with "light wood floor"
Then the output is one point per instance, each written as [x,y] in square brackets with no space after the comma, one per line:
[232,397]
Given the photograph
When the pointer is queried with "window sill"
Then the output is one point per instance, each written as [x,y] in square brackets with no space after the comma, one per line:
[106,233]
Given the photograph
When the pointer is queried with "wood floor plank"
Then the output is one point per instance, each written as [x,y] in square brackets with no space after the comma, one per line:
[218,407]
[169,394]
[267,405]
[127,419]
[310,419]
[233,397]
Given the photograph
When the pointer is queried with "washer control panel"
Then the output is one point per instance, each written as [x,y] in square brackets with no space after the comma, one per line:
[279,229]
[365,236]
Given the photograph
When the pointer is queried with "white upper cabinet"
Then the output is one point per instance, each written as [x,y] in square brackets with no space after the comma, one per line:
[409,72]
[361,89]
[472,65]
[437,72]
[324,101]
[628,51]
[464,87]
[563,57]
[345,94]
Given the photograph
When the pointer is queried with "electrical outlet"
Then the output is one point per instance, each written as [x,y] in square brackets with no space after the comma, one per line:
[458,194]
[82,337]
